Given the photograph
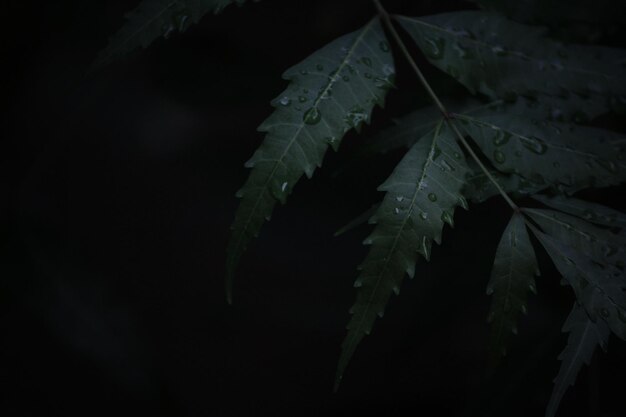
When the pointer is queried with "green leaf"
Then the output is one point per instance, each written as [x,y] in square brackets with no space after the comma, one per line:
[331,92]
[408,129]
[599,244]
[598,288]
[479,187]
[512,276]
[584,336]
[421,194]
[571,20]
[490,54]
[153,19]
[560,155]
[592,212]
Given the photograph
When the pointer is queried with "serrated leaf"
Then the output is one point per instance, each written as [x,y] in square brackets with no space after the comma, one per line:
[560,155]
[332,91]
[601,245]
[512,276]
[598,288]
[421,195]
[592,212]
[408,129]
[479,188]
[571,20]
[153,19]
[585,336]
[490,54]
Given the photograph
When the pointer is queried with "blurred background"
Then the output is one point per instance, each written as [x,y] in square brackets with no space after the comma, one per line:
[117,196]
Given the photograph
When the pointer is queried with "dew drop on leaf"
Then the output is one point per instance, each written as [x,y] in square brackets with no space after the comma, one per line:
[384,46]
[535,145]
[432,197]
[285,101]
[499,156]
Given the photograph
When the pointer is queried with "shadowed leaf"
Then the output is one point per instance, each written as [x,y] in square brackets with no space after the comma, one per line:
[332,91]
[421,196]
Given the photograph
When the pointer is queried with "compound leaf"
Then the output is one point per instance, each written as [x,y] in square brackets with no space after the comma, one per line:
[331,92]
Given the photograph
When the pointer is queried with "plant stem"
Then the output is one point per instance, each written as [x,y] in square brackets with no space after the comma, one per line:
[449,117]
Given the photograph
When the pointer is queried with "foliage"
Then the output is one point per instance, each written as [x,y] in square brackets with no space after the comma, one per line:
[520,130]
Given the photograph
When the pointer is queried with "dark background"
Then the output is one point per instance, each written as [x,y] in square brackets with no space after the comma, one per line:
[117,195]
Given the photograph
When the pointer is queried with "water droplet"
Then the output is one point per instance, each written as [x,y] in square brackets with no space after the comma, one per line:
[397,210]
[532,288]
[499,156]
[423,215]
[345,78]
[524,309]
[304,72]
[489,290]
[312,116]
[435,47]
[399,198]
[535,145]
[283,187]
[501,138]
[432,197]
[302,99]
[456,155]
[384,46]
[285,101]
